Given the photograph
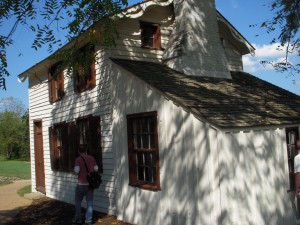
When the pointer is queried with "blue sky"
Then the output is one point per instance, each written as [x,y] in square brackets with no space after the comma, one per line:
[240,13]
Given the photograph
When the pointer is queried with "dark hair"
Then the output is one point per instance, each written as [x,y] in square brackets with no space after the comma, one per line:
[82,149]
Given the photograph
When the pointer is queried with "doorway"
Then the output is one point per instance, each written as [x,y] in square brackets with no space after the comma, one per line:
[39,157]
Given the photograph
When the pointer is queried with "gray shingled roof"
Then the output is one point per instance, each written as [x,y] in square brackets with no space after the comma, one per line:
[243,101]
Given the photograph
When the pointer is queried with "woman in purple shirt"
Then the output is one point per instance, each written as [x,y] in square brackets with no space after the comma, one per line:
[82,188]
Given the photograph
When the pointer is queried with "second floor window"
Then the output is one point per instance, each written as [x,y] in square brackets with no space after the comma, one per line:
[56,82]
[150,35]
[85,74]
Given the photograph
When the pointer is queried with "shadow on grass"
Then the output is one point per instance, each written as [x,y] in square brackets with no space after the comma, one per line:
[50,212]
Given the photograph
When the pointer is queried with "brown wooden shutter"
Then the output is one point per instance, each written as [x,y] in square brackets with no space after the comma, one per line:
[60,83]
[91,81]
[77,80]
[95,140]
[157,38]
[52,148]
[51,87]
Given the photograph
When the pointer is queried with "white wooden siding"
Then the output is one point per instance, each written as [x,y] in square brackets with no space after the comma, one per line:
[128,45]
[61,185]
[207,176]
[183,171]
[234,57]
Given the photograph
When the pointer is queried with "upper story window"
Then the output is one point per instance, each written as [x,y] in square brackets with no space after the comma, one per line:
[143,151]
[85,73]
[56,82]
[150,35]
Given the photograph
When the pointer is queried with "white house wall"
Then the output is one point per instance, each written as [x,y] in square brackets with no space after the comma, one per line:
[61,185]
[207,176]
[128,44]
[189,189]
[235,62]
[254,178]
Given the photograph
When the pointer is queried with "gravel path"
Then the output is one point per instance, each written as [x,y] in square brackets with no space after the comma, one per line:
[11,202]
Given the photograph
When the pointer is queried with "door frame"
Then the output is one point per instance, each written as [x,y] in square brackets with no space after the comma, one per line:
[39,156]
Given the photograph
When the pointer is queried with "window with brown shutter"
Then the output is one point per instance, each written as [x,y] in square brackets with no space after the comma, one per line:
[85,75]
[150,35]
[61,147]
[56,82]
[143,151]
[66,138]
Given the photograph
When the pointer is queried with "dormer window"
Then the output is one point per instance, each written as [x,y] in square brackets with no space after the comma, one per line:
[56,82]
[150,35]
[85,74]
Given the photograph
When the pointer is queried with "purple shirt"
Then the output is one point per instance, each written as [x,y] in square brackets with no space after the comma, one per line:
[81,170]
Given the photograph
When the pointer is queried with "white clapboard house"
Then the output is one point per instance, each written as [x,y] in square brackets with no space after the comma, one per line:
[182,135]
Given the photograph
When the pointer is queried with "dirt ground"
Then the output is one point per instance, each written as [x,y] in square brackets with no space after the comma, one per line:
[53,212]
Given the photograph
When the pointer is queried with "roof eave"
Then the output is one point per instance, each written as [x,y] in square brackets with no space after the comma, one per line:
[247,48]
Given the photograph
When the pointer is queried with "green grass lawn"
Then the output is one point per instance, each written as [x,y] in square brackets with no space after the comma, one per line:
[14,168]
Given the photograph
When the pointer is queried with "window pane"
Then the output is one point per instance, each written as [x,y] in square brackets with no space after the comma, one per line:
[148,159]
[144,124]
[139,141]
[151,124]
[148,167]
[135,141]
[138,126]
[59,137]
[140,158]
[148,174]
[152,141]
[140,165]
[145,141]
[135,126]
[153,174]
[148,32]
[141,173]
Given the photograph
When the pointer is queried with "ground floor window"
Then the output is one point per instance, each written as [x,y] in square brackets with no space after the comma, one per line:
[143,150]
[66,138]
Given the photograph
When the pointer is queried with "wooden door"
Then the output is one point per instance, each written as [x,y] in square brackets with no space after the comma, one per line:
[39,157]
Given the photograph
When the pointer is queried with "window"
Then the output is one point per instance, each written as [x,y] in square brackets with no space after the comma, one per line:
[292,135]
[61,147]
[143,152]
[56,82]
[85,74]
[88,134]
[150,35]
[66,138]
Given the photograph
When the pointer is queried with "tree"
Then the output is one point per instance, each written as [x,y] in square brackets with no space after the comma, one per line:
[11,133]
[287,20]
[56,22]
[14,129]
